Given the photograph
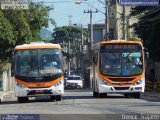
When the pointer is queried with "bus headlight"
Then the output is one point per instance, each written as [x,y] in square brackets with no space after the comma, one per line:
[20,86]
[58,83]
[104,82]
[139,81]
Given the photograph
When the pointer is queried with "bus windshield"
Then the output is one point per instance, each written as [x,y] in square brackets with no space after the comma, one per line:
[38,62]
[121,60]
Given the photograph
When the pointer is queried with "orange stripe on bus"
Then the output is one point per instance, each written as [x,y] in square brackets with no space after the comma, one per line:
[136,78]
[36,47]
[39,84]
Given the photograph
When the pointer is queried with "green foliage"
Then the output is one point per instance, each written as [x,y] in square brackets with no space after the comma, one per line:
[65,33]
[21,26]
[4,67]
[148,28]
[6,37]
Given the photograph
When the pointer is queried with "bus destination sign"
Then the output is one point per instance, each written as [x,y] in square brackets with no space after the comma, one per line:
[121,47]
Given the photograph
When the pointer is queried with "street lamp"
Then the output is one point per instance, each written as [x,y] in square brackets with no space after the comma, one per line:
[79,1]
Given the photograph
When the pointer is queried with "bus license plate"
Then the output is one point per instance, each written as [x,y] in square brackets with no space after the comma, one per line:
[39,91]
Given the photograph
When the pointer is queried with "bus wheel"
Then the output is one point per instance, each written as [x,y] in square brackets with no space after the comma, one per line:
[58,98]
[95,94]
[127,95]
[53,98]
[102,95]
[22,99]
[137,95]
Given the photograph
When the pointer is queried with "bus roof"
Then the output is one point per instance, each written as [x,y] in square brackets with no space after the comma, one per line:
[97,45]
[37,45]
[121,41]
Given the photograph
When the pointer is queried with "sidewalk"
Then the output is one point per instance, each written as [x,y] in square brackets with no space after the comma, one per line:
[3,94]
[152,94]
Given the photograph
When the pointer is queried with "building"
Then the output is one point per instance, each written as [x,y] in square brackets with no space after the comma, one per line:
[120,21]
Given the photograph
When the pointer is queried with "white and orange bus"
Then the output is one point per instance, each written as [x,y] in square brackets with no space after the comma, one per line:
[118,66]
[38,71]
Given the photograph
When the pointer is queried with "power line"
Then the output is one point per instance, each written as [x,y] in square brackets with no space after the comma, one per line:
[91,25]
[94,7]
[95,13]
[81,18]
[100,20]
[52,1]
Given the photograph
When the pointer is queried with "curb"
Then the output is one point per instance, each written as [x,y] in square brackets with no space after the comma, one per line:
[4,94]
[155,95]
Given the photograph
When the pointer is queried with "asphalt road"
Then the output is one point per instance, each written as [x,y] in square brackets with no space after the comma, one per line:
[81,105]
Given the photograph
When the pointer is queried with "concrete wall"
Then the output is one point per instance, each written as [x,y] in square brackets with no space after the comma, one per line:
[7,80]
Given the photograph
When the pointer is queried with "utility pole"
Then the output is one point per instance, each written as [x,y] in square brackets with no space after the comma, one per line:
[81,51]
[91,25]
[107,19]
[69,46]
[124,23]
[127,29]
[91,42]
[70,21]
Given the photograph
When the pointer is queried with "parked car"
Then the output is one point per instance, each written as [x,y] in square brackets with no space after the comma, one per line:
[74,81]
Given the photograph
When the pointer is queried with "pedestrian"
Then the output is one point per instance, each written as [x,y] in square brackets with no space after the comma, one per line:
[152,77]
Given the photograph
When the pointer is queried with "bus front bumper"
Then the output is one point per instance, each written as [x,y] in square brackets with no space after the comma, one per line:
[33,92]
[121,89]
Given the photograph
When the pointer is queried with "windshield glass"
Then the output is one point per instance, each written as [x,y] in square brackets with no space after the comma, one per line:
[121,61]
[38,63]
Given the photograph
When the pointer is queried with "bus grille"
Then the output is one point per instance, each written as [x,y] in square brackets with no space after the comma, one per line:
[121,88]
[121,79]
[35,92]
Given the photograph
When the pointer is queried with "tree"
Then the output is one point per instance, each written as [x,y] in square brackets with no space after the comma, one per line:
[6,37]
[148,28]
[71,38]
[65,33]
[21,26]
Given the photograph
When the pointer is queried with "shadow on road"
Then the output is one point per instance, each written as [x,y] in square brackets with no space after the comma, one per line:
[151,99]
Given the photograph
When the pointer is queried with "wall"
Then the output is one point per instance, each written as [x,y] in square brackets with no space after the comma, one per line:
[7,80]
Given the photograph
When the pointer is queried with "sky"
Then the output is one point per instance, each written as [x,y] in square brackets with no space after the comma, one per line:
[66,12]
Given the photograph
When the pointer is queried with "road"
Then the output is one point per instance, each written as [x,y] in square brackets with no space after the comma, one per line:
[81,102]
